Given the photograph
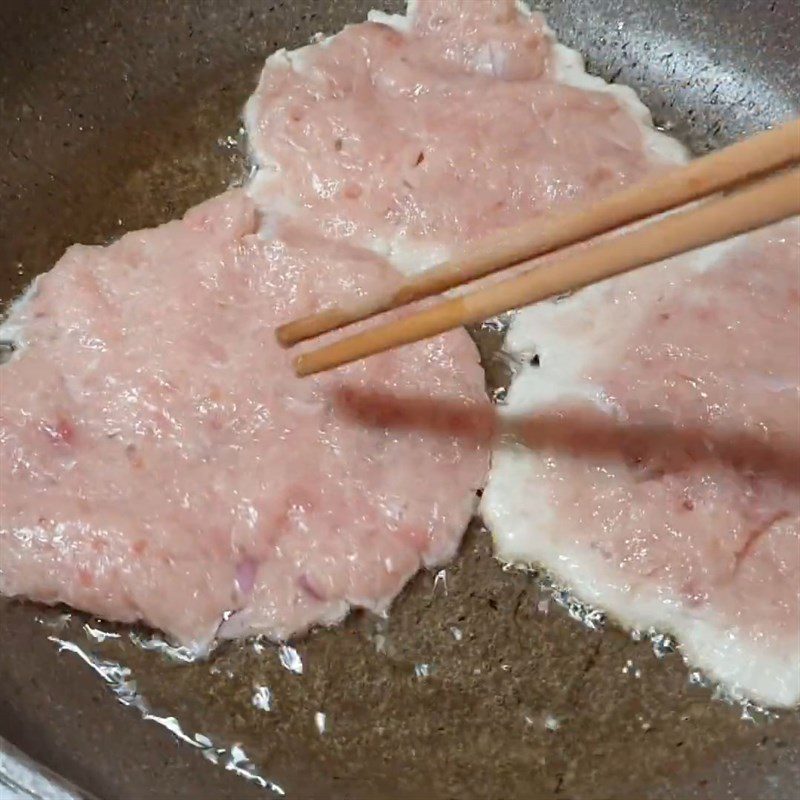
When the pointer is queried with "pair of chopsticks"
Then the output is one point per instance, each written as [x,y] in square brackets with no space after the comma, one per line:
[749,196]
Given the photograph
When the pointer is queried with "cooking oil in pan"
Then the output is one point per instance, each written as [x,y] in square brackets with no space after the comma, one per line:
[142,671]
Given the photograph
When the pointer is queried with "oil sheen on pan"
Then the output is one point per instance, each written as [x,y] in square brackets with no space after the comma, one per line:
[646,460]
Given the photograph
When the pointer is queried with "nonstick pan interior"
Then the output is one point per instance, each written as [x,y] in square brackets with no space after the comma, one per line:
[118,115]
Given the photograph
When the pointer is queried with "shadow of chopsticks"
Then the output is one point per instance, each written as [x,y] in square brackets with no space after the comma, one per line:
[652,448]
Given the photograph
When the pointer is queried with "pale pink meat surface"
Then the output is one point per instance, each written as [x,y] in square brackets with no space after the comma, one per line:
[433,136]
[160,462]
[413,136]
[652,458]
[661,469]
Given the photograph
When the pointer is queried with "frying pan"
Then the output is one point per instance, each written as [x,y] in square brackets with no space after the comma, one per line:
[116,115]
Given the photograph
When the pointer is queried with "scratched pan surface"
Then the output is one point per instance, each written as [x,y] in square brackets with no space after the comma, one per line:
[115,115]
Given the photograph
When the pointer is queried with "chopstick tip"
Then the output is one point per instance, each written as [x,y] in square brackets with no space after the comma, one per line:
[302,368]
[304,328]
[284,336]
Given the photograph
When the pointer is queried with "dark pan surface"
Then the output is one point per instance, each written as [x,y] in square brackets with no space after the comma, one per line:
[113,116]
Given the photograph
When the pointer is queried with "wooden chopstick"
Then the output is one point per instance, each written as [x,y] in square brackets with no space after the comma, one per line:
[702,177]
[754,206]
